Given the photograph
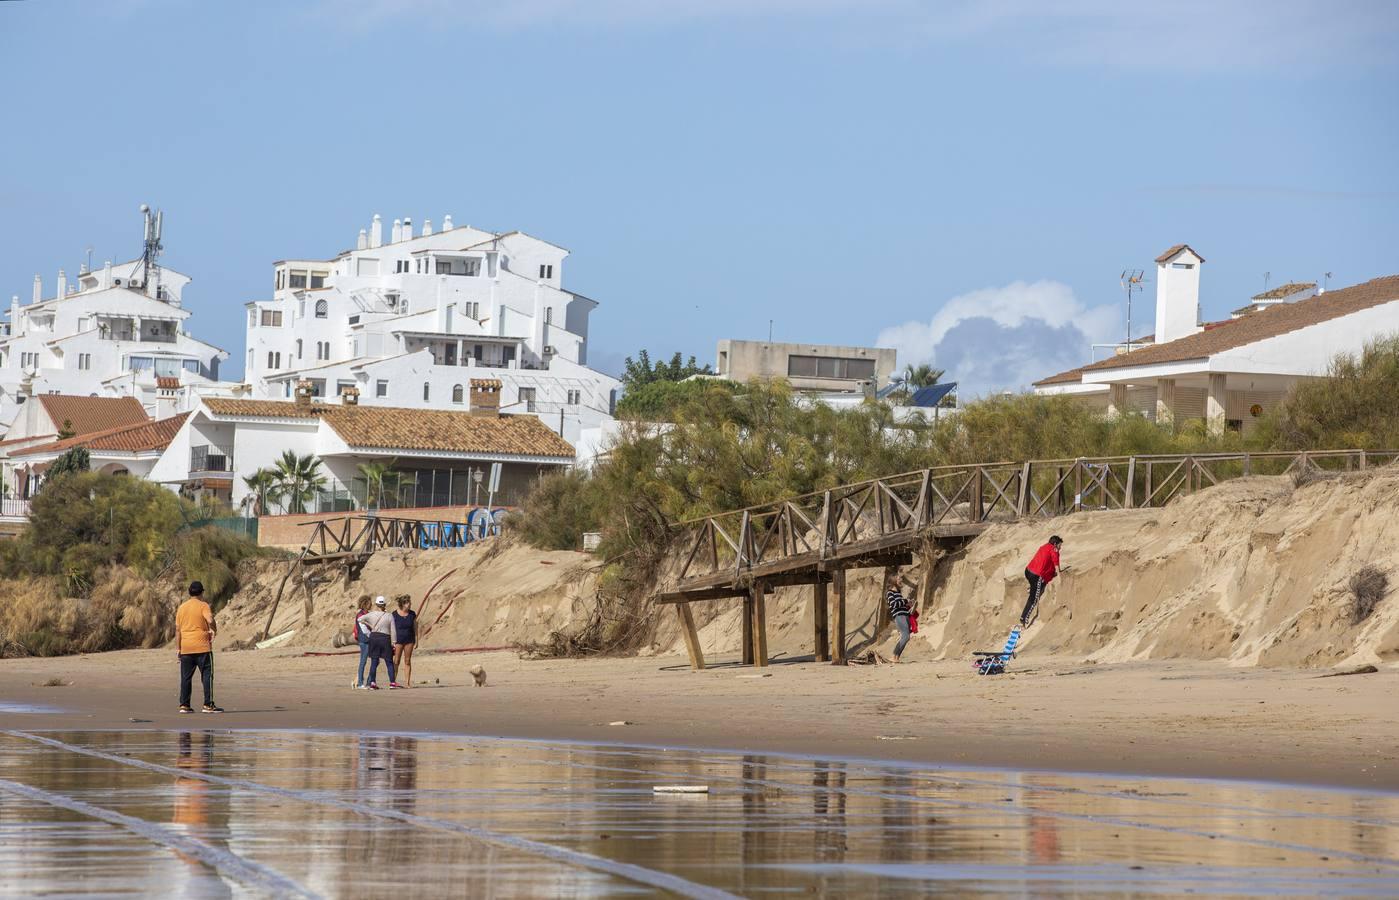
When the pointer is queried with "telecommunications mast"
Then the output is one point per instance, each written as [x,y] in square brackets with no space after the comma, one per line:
[150,256]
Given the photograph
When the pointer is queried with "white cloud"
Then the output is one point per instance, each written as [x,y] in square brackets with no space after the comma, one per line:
[1007,337]
[1185,34]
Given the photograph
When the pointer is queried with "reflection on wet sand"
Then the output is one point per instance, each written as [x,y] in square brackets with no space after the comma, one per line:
[363,814]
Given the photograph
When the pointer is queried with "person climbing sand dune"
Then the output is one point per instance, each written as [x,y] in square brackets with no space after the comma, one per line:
[1039,573]
[900,612]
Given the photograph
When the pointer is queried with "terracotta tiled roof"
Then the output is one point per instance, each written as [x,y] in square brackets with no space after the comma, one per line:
[85,415]
[1266,323]
[167,382]
[146,436]
[1165,257]
[397,428]
[1285,290]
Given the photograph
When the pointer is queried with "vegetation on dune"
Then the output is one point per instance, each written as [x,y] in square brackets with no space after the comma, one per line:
[101,564]
[1356,405]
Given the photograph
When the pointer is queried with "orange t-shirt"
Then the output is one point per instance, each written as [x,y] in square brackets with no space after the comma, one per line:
[194,620]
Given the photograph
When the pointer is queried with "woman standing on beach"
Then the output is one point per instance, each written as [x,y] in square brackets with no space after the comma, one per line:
[361,639]
[405,635]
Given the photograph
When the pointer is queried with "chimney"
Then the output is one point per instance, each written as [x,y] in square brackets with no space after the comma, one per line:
[396,234]
[14,313]
[485,397]
[1177,293]
[38,289]
[427,227]
[407,229]
[376,232]
[447,222]
[106,274]
[349,396]
[363,240]
[303,394]
[62,284]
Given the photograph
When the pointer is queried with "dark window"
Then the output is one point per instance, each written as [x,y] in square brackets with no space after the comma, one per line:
[456,393]
[427,391]
[322,309]
[381,388]
[829,367]
[317,280]
[444,267]
[298,279]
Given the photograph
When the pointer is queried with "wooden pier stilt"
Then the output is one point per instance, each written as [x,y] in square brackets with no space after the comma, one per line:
[838,629]
[760,626]
[687,628]
[748,629]
[822,637]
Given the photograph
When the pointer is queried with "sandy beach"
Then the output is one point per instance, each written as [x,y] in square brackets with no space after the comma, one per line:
[1151,718]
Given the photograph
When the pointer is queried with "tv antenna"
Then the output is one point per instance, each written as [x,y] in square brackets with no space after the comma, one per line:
[150,254]
[1326,281]
[1267,276]
[1131,283]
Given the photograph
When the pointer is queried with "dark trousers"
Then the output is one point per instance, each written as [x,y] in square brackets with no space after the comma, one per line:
[205,663]
[380,648]
[1036,591]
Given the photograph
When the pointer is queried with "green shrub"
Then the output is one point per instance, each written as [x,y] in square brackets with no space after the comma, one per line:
[1355,406]
[558,510]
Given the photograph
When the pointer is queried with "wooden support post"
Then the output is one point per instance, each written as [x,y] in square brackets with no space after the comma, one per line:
[760,625]
[977,507]
[838,630]
[1248,465]
[687,628]
[1147,499]
[1022,502]
[822,634]
[748,629]
[1129,501]
[1078,485]
[1362,460]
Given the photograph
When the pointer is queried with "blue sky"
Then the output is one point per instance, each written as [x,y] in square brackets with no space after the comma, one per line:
[964,179]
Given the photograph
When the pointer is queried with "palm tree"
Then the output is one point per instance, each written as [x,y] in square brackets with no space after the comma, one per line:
[374,474]
[263,487]
[299,479]
[921,376]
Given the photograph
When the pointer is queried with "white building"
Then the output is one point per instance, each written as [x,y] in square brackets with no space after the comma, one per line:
[1229,373]
[411,320]
[118,331]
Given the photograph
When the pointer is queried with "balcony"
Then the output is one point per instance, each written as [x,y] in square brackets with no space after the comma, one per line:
[207,460]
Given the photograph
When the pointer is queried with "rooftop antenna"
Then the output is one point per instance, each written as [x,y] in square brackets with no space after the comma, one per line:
[769,331]
[1267,276]
[1131,283]
[88,267]
[1326,281]
[150,255]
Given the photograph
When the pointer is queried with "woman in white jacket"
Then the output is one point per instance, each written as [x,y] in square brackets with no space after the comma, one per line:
[377,626]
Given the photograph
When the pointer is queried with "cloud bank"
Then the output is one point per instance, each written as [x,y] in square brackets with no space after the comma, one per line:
[1006,338]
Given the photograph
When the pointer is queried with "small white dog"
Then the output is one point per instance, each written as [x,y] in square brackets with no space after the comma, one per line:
[479,674]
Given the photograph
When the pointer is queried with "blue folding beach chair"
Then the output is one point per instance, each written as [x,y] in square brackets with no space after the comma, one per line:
[989,662]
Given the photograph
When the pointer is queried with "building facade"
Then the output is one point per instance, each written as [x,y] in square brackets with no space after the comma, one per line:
[118,331]
[808,367]
[408,322]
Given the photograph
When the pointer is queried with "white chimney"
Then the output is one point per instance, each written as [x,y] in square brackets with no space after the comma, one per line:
[363,240]
[14,312]
[407,229]
[427,227]
[106,274]
[447,222]
[38,289]
[62,284]
[396,234]
[376,232]
[1177,293]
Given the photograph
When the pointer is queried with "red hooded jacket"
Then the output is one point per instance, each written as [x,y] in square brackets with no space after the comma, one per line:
[1046,562]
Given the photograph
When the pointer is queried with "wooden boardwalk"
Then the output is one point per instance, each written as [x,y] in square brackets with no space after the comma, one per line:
[885,522]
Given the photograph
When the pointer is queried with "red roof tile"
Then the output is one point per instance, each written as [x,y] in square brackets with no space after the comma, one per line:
[84,415]
[140,438]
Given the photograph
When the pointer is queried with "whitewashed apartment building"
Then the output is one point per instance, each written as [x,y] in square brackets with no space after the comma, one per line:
[408,322]
[117,331]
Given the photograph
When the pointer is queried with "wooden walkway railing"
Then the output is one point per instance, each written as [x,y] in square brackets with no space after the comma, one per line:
[361,535]
[813,538]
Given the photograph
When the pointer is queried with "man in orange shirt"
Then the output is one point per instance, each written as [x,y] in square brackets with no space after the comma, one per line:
[194,643]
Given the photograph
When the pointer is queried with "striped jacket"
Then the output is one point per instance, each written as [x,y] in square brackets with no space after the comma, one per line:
[897,604]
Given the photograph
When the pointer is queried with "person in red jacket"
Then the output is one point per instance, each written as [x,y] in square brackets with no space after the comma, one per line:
[1040,572]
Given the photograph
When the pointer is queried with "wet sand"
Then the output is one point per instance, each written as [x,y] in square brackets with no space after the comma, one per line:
[1190,719]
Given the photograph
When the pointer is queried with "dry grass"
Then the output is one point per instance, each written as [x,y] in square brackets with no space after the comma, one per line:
[1367,588]
[124,610]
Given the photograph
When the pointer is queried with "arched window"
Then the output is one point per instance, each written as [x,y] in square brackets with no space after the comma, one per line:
[456,393]
[427,392]
[298,348]
[270,358]
[322,309]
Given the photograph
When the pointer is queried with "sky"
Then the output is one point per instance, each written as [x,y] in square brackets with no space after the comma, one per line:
[962,180]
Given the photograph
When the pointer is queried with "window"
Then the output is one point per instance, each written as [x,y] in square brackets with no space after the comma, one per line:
[138,363]
[279,279]
[1182,265]
[252,318]
[29,359]
[84,360]
[322,349]
[274,360]
[472,267]
[527,398]
[546,271]
[191,365]
[574,397]
[298,348]
[169,368]
[829,367]
[427,392]
[381,388]
[342,386]
[286,388]
[317,387]
[472,310]
[298,280]
[301,309]
[456,393]
[444,267]
[548,315]
[322,309]
[317,280]
[250,360]
[272,317]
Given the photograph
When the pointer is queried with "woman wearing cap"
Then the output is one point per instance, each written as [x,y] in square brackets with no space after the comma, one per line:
[377,626]
[405,636]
